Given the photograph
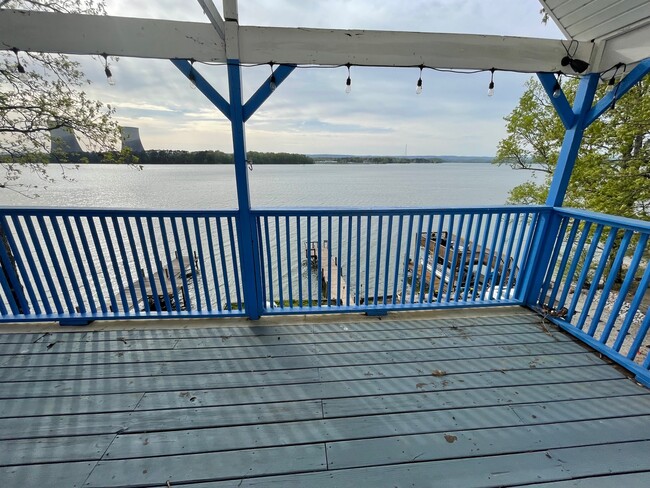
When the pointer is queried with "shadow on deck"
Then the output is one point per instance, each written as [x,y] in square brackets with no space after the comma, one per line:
[459,399]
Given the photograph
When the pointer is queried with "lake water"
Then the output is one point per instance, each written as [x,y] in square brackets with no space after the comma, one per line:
[213,187]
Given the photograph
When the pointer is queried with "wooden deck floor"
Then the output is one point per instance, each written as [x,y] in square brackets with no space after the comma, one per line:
[458,401]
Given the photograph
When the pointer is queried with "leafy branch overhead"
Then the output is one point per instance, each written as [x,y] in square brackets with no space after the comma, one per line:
[612,171]
[49,94]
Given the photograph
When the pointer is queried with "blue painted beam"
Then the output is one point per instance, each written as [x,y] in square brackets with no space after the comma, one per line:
[262,94]
[203,85]
[572,140]
[247,223]
[561,104]
[636,75]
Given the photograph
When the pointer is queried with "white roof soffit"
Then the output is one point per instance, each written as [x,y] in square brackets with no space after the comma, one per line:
[619,29]
[164,39]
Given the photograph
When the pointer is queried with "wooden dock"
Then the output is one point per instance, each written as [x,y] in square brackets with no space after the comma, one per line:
[494,399]
[333,285]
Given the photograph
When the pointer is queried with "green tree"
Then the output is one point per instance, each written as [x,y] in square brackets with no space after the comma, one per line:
[48,94]
[612,171]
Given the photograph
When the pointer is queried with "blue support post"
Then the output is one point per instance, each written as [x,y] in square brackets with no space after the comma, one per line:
[548,226]
[247,227]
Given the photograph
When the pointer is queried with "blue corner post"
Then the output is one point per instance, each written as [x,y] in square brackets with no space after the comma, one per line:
[247,227]
[546,231]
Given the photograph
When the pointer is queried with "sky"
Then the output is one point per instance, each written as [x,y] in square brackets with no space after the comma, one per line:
[310,112]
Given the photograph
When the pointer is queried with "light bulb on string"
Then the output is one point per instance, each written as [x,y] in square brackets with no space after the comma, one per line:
[22,73]
[418,86]
[557,88]
[610,85]
[348,82]
[107,71]
[491,85]
[272,81]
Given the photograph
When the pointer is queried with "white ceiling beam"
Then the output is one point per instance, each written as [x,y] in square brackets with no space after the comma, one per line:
[163,39]
[213,15]
[628,48]
[116,36]
[382,48]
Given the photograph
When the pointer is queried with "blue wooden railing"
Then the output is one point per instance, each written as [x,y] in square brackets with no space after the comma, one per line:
[76,265]
[595,284]
[588,273]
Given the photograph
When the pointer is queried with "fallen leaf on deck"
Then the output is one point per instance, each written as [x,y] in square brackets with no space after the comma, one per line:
[450,438]
[438,372]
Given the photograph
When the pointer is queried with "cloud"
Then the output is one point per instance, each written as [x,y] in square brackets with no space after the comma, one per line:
[310,112]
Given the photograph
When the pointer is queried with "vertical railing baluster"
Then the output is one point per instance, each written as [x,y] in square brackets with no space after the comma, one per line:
[607,288]
[566,254]
[514,273]
[320,261]
[10,276]
[269,260]
[309,261]
[63,286]
[234,257]
[213,263]
[358,275]
[299,254]
[585,270]
[643,330]
[289,264]
[389,245]
[339,246]
[118,275]
[445,261]
[405,268]
[262,258]
[179,254]
[45,268]
[199,249]
[454,259]
[80,265]
[435,260]
[278,254]
[224,266]
[329,260]
[622,295]
[483,251]
[416,276]
[91,264]
[68,266]
[425,260]
[500,263]
[127,267]
[366,290]
[489,272]
[473,258]
[508,263]
[400,223]
[609,244]
[136,258]
[557,246]
[577,252]
[378,258]
[190,256]
[462,261]
[102,263]
[31,263]
[349,266]
[156,258]
[169,260]
[147,262]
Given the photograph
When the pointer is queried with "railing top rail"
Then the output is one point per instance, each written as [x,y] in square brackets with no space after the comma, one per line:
[334,211]
[599,218]
[99,212]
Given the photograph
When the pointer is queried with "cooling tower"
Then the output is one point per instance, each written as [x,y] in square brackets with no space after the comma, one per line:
[131,139]
[62,139]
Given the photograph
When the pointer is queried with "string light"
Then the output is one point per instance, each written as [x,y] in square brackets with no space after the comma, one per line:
[491,85]
[19,67]
[191,76]
[348,82]
[272,82]
[107,71]
[557,88]
[418,87]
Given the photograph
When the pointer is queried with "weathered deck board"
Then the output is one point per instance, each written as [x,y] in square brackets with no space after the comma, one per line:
[331,404]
